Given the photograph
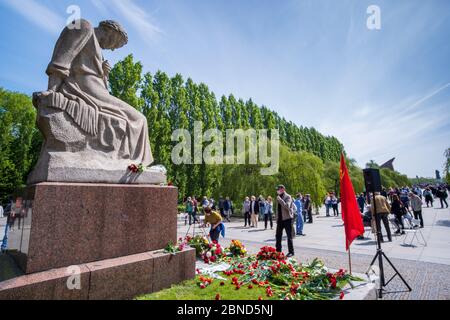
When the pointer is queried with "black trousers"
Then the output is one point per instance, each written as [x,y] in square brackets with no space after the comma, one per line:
[384,217]
[418,215]
[335,210]
[268,217]
[284,225]
[310,217]
[399,221]
[247,218]
[443,200]
[429,200]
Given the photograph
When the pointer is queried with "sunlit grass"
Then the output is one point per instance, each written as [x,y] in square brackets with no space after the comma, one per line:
[190,290]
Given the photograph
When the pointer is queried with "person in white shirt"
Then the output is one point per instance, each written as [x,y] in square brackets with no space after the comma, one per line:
[1,211]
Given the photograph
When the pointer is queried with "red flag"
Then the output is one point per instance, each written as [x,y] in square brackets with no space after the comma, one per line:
[350,211]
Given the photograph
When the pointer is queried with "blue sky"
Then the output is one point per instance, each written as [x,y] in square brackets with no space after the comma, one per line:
[384,93]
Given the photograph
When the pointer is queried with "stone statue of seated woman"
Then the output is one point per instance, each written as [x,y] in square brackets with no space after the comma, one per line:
[90,135]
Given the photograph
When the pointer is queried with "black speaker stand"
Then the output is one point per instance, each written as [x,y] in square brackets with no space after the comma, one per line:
[380,254]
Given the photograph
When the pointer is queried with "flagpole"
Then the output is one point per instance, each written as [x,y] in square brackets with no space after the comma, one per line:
[350,260]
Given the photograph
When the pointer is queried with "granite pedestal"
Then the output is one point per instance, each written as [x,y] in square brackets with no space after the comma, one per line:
[110,279]
[110,232]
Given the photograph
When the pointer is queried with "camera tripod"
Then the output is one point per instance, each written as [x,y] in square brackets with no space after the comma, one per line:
[380,254]
[193,227]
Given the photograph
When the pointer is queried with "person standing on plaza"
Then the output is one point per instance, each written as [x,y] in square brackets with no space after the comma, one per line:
[16,213]
[428,197]
[261,203]
[416,207]
[335,204]
[382,212]
[246,211]
[299,224]
[212,203]
[268,213]
[398,210]
[1,211]
[361,202]
[308,208]
[205,202]
[190,210]
[327,202]
[227,208]
[221,210]
[285,216]
[304,213]
[254,212]
[404,197]
[214,219]
[418,192]
[442,195]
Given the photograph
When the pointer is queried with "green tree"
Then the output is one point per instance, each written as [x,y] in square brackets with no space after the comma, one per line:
[447,165]
[372,165]
[125,80]
[20,141]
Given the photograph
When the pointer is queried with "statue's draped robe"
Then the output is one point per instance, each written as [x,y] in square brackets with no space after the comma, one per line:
[78,60]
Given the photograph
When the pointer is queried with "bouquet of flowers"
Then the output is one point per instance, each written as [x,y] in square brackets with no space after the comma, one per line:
[136,168]
[236,248]
[200,243]
[270,253]
[213,253]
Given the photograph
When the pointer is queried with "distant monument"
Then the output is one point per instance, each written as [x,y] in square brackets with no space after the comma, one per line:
[89,228]
[90,135]
[438,175]
[388,165]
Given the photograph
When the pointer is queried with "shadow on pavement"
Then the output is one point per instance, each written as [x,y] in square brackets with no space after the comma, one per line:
[443,223]
[368,243]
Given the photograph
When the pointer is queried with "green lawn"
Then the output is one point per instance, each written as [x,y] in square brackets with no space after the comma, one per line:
[189,290]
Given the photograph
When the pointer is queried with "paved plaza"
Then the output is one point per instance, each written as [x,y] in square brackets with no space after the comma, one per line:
[426,268]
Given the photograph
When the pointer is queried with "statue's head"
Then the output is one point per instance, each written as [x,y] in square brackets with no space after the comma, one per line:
[111,35]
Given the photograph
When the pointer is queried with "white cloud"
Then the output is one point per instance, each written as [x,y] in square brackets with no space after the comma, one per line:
[37,14]
[137,18]
[101,7]
[401,131]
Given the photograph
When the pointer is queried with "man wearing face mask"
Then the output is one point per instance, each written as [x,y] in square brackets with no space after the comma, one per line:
[285,216]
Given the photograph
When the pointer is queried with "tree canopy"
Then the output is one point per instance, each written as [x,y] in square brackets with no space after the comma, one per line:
[309,160]
[20,141]
[447,165]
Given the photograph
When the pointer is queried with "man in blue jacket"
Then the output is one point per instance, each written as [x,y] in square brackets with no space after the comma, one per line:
[299,225]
